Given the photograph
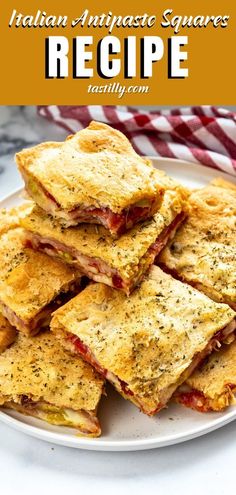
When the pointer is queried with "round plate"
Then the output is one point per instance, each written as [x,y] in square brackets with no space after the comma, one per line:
[123,426]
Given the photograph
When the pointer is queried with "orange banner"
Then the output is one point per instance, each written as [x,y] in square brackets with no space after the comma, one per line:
[135,53]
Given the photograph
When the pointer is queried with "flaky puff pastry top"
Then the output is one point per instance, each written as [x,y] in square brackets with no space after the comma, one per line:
[30,280]
[203,250]
[217,374]
[95,167]
[39,368]
[122,254]
[149,339]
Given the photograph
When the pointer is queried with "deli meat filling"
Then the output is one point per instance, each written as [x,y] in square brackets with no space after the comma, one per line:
[123,387]
[97,269]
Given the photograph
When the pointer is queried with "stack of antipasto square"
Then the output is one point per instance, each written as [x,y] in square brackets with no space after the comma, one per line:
[37,377]
[83,254]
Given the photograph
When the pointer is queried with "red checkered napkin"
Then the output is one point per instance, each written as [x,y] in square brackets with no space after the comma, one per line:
[203,134]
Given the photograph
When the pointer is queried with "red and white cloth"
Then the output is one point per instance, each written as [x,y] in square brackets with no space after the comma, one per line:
[203,134]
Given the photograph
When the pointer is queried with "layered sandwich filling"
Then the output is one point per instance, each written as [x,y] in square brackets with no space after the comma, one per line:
[84,421]
[96,268]
[116,222]
[197,400]
[126,390]
[213,385]
[43,317]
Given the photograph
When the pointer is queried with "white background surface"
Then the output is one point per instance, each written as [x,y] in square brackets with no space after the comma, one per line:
[205,465]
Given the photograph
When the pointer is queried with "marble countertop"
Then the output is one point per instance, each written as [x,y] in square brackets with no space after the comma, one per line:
[20,127]
[28,466]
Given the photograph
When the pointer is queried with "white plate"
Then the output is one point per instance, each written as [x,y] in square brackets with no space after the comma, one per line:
[123,426]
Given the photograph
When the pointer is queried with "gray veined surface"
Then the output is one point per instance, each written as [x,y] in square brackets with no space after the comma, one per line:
[20,127]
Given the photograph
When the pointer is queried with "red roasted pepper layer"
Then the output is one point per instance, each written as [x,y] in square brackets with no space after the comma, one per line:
[118,222]
[84,350]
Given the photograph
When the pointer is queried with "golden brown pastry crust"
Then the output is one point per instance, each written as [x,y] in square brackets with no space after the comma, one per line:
[123,254]
[40,369]
[10,219]
[7,333]
[11,245]
[97,166]
[218,372]
[29,280]
[149,339]
[216,378]
[203,251]
[12,253]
